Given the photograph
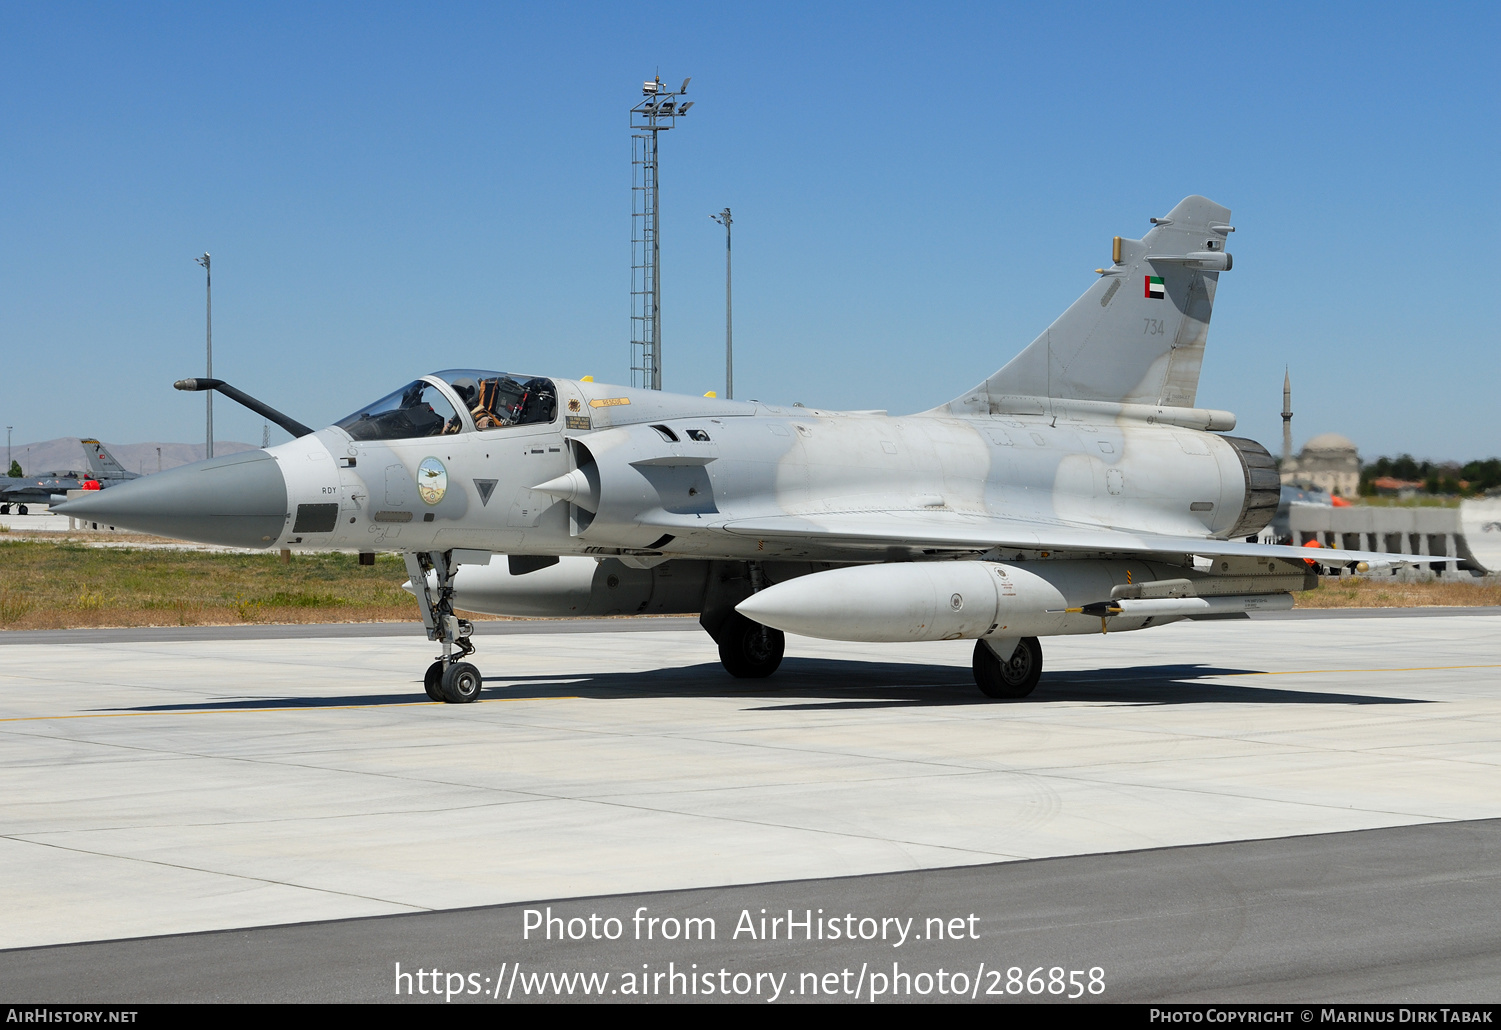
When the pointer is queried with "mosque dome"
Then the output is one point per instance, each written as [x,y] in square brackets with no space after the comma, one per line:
[1331,442]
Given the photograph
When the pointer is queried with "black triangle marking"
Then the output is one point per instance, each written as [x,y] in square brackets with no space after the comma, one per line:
[485,487]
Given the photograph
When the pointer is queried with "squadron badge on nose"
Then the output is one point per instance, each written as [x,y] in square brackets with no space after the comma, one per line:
[432,480]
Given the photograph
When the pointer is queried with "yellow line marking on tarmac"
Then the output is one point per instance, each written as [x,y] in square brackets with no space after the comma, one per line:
[289,708]
[1419,668]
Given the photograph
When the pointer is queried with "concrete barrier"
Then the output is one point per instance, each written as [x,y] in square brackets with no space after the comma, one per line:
[1426,531]
[1480,527]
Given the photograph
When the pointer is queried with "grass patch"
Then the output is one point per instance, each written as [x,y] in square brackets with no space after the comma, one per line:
[64,584]
[303,599]
[1357,592]
[13,607]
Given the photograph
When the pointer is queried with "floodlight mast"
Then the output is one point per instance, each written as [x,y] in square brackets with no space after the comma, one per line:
[208,285]
[658,111]
[723,218]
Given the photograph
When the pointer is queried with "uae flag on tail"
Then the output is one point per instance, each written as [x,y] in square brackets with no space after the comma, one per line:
[1155,288]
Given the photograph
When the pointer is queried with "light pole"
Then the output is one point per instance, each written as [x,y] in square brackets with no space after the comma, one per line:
[208,280]
[9,461]
[723,218]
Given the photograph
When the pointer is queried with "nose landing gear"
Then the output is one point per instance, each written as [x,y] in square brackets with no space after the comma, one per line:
[449,678]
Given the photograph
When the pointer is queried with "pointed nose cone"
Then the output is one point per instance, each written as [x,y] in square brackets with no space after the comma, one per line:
[236,501]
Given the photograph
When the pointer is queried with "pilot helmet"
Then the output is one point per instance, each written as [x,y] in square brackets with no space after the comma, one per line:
[468,391]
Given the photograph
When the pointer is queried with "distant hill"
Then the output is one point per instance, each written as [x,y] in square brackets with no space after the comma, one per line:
[66,453]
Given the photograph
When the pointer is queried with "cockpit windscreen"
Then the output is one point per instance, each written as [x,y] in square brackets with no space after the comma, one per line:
[417,409]
[497,399]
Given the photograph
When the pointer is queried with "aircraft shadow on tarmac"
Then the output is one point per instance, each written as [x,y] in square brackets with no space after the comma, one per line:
[825,684]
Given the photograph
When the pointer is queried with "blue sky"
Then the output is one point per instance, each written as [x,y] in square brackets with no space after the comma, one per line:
[918,190]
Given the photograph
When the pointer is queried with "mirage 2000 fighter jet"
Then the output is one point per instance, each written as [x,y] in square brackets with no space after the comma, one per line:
[1078,489]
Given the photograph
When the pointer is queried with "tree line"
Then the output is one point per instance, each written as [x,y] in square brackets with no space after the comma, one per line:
[1436,477]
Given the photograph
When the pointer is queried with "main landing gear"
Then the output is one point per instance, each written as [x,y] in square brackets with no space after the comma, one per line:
[449,678]
[1011,677]
[748,649]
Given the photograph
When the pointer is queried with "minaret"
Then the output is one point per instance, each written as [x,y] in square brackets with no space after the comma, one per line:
[1287,415]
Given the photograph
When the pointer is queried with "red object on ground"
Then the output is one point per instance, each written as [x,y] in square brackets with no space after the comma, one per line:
[89,484]
[1339,502]
[1312,543]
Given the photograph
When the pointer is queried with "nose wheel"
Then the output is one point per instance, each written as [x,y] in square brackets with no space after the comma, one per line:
[432,681]
[461,683]
[449,678]
[455,683]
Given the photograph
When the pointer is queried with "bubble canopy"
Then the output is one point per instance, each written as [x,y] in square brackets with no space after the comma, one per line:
[495,400]
[489,400]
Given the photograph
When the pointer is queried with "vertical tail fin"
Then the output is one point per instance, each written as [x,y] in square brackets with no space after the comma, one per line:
[102,463]
[1137,335]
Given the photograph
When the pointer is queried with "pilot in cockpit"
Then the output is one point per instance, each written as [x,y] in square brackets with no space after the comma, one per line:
[494,400]
[486,415]
[468,392]
[481,398]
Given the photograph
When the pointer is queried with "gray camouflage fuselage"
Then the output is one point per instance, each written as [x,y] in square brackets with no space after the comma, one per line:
[757,464]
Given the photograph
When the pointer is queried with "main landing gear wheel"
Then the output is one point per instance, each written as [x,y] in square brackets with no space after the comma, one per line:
[1012,678]
[432,680]
[21,509]
[748,649]
[461,683]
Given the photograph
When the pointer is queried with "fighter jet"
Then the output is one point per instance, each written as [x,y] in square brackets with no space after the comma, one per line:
[1080,489]
[24,491]
[20,492]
